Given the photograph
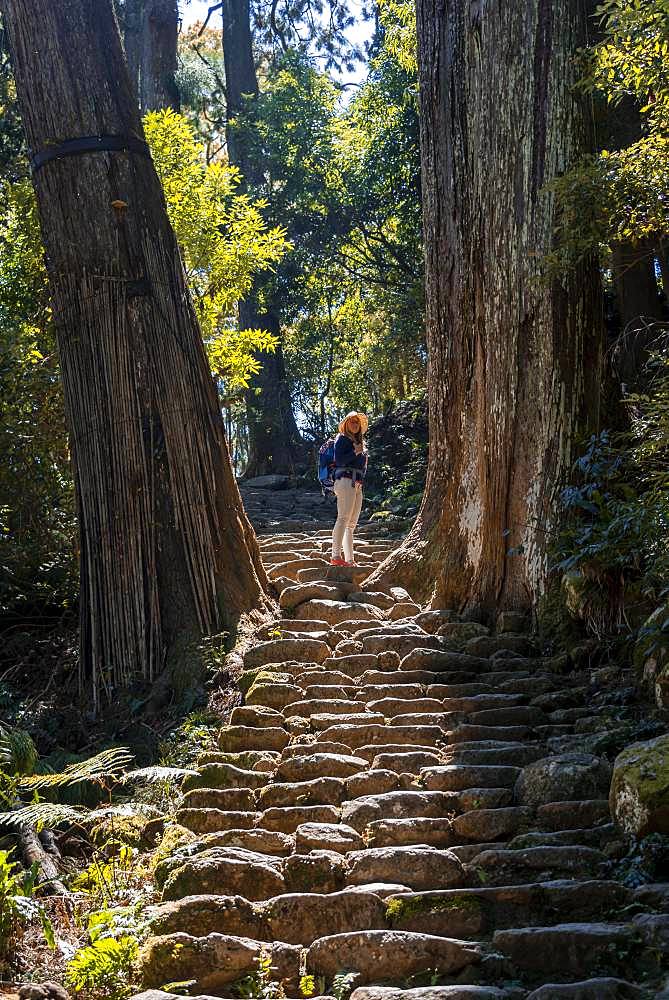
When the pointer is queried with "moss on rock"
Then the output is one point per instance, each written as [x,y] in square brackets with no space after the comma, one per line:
[639,797]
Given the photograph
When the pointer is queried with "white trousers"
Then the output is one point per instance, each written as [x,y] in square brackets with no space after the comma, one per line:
[349,503]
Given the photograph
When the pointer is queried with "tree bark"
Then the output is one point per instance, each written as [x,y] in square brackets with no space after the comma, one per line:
[633,267]
[151,29]
[640,311]
[167,554]
[514,358]
[275,445]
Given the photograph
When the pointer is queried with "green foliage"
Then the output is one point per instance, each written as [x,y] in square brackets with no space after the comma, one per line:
[345,183]
[191,738]
[260,983]
[104,879]
[37,554]
[18,905]
[18,753]
[342,984]
[307,985]
[615,523]
[223,237]
[100,769]
[103,969]
[398,19]
[620,195]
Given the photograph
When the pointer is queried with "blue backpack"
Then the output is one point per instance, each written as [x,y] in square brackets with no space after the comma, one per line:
[326,466]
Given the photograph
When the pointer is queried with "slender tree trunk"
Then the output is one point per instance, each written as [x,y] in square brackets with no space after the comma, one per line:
[151,29]
[633,268]
[514,358]
[275,445]
[167,553]
[640,311]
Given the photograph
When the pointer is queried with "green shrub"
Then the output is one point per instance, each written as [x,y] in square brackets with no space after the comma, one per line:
[18,905]
[104,968]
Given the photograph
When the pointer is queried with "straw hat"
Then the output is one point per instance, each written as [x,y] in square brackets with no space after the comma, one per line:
[364,422]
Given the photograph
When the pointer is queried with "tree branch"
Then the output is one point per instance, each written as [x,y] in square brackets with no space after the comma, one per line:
[212,10]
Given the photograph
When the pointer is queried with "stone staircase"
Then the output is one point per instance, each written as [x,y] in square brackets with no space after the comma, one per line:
[400,807]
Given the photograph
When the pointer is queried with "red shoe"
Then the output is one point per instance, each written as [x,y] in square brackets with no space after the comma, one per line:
[338,562]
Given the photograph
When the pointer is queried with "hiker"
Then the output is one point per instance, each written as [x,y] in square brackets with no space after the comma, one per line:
[350,457]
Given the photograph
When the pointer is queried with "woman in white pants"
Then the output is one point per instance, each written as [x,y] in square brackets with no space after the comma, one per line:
[350,469]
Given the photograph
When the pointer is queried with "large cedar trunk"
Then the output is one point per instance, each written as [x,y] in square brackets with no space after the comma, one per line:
[151,29]
[167,553]
[275,445]
[514,358]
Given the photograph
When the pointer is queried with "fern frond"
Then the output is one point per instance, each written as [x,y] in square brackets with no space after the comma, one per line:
[18,753]
[147,775]
[125,809]
[109,763]
[44,815]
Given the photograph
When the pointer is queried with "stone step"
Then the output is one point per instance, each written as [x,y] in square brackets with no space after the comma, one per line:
[601,988]
[278,650]
[331,706]
[501,867]
[389,955]
[396,805]
[407,761]
[324,722]
[286,819]
[567,815]
[492,824]
[213,962]
[468,733]
[302,918]
[484,798]
[376,782]
[391,707]
[229,871]
[211,820]
[410,832]
[319,765]
[480,911]
[373,750]
[320,791]
[225,799]
[420,867]
[573,949]
[213,775]
[239,738]
[360,735]
[457,777]
[492,702]
[438,993]
[508,754]
[337,837]
[257,716]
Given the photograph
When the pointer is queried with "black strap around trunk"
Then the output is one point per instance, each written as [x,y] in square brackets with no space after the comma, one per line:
[89,144]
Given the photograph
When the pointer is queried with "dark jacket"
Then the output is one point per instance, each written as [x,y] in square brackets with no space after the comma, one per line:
[346,459]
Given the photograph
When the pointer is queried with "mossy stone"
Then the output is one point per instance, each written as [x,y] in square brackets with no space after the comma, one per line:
[639,798]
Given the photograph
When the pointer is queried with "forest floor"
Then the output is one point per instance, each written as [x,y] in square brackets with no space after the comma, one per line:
[391,799]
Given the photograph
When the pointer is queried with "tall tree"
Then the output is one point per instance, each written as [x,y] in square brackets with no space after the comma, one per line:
[274,440]
[514,355]
[151,29]
[166,551]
